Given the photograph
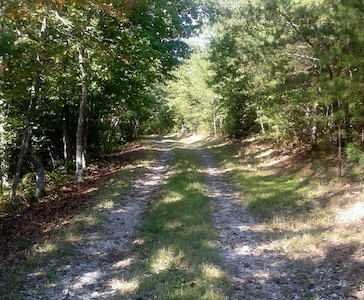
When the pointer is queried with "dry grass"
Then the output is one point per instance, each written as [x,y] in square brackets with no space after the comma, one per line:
[301,208]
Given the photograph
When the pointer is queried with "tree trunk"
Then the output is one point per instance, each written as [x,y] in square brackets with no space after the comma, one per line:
[67,155]
[81,124]
[339,141]
[39,175]
[136,128]
[362,120]
[215,129]
[3,162]
[347,130]
[66,136]
[27,135]
[28,123]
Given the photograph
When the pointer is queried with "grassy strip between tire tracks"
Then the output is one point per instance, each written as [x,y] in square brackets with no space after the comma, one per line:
[176,258]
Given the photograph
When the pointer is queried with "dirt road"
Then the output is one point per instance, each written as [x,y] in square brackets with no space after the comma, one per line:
[256,269]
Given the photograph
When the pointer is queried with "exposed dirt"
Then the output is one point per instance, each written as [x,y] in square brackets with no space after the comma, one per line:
[97,267]
[23,226]
[258,270]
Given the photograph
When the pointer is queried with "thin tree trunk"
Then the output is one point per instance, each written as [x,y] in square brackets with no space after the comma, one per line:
[261,124]
[362,120]
[66,136]
[67,156]
[3,161]
[26,137]
[339,141]
[215,129]
[81,124]
[39,173]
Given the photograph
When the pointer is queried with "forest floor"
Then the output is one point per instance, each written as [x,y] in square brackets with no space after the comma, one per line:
[81,241]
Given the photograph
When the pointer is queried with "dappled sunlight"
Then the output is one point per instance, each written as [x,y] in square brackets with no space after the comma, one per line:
[216,171]
[178,253]
[212,272]
[124,287]
[106,204]
[195,186]
[274,161]
[73,237]
[264,153]
[164,259]
[173,197]
[123,263]
[192,139]
[121,210]
[87,220]
[351,214]
[303,246]
[175,225]
[89,190]
[47,247]
[87,279]
[37,274]
[307,229]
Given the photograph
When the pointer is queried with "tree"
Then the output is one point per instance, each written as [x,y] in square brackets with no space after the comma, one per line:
[93,67]
[26,140]
[189,96]
[297,64]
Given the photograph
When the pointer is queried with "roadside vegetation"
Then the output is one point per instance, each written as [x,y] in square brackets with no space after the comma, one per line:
[46,233]
[303,211]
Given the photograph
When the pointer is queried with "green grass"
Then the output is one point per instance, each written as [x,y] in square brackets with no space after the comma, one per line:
[177,258]
[268,192]
[298,205]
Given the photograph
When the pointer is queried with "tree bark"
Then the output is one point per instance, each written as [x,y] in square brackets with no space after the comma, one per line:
[362,120]
[81,123]
[39,175]
[27,135]
[67,155]
[215,130]
[66,136]
[339,141]
[3,161]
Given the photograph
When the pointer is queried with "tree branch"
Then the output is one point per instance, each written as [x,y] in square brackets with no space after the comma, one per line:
[303,56]
[295,27]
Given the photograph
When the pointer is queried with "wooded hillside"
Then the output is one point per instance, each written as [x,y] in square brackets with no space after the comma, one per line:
[291,70]
[80,78]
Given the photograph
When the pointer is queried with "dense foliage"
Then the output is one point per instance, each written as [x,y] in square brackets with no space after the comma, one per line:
[77,76]
[293,69]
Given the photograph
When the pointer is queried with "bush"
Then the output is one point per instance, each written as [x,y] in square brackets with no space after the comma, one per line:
[354,155]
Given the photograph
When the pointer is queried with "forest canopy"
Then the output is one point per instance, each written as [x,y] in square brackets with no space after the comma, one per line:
[77,77]
[290,70]
[80,78]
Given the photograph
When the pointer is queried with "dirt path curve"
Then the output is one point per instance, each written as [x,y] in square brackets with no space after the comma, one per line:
[102,257]
[256,271]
